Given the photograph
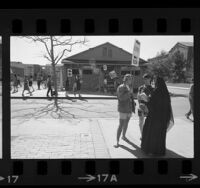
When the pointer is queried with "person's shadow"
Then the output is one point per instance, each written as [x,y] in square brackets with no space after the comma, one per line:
[138,153]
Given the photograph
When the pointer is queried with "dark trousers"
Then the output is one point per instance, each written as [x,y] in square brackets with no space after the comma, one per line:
[38,83]
[49,90]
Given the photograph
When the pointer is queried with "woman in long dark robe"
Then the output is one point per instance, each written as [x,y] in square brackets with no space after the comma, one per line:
[156,124]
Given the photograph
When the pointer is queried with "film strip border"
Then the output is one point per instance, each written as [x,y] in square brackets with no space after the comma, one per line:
[127,172]
[97,22]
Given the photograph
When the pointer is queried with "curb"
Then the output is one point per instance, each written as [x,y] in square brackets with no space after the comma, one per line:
[177,95]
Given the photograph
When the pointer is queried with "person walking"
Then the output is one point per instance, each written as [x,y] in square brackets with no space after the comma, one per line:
[31,83]
[49,86]
[144,92]
[26,86]
[158,121]
[124,95]
[191,101]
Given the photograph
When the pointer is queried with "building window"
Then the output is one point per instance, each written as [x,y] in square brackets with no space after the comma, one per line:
[75,71]
[87,71]
[137,72]
[125,72]
[109,53]
[104,51]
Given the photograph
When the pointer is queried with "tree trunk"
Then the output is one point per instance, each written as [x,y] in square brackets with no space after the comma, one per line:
[55,78]
[54,73]
[53,66]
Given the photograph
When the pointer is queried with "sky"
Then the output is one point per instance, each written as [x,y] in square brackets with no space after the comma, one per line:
[32,53]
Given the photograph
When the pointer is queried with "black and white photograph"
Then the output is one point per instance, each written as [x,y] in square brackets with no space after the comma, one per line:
[0,97]
[97,97]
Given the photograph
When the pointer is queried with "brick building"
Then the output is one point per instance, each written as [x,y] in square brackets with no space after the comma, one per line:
[32,70]
[96,63]
[17,68]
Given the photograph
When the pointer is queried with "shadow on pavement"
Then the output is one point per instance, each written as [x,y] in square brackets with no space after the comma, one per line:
[177,95]
[172,154]
[138,153]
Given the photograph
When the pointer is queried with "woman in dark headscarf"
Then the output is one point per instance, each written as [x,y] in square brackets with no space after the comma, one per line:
[158,120]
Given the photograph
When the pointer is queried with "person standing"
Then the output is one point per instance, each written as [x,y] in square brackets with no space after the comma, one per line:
[38,81]
[66,87]
[105,85]
[124,96]
[49,86]
[78,84]
[26,86]
[31,83]
[158,121]
[191,101]
[74,85]
[44,82]
[15,83]
[144,92]
[18,81]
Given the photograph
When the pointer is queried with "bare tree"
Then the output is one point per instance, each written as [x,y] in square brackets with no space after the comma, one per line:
[55,49]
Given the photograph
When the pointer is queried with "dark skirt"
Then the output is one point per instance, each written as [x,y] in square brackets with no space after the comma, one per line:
[154,136]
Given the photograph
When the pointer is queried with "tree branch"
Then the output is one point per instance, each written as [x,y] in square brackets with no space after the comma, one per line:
[45,56]
[56,61]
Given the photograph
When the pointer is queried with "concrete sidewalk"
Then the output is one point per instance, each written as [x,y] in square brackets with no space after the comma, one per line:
[175,91]
[43,92]
[90,138]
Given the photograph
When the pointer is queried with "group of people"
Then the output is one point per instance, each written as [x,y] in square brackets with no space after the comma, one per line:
[28,83]
[47,83]
[76,85]
[154,111]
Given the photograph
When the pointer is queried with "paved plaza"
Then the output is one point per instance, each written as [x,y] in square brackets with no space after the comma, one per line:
[86,129]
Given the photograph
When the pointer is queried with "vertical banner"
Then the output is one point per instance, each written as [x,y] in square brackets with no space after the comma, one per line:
[136,54]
